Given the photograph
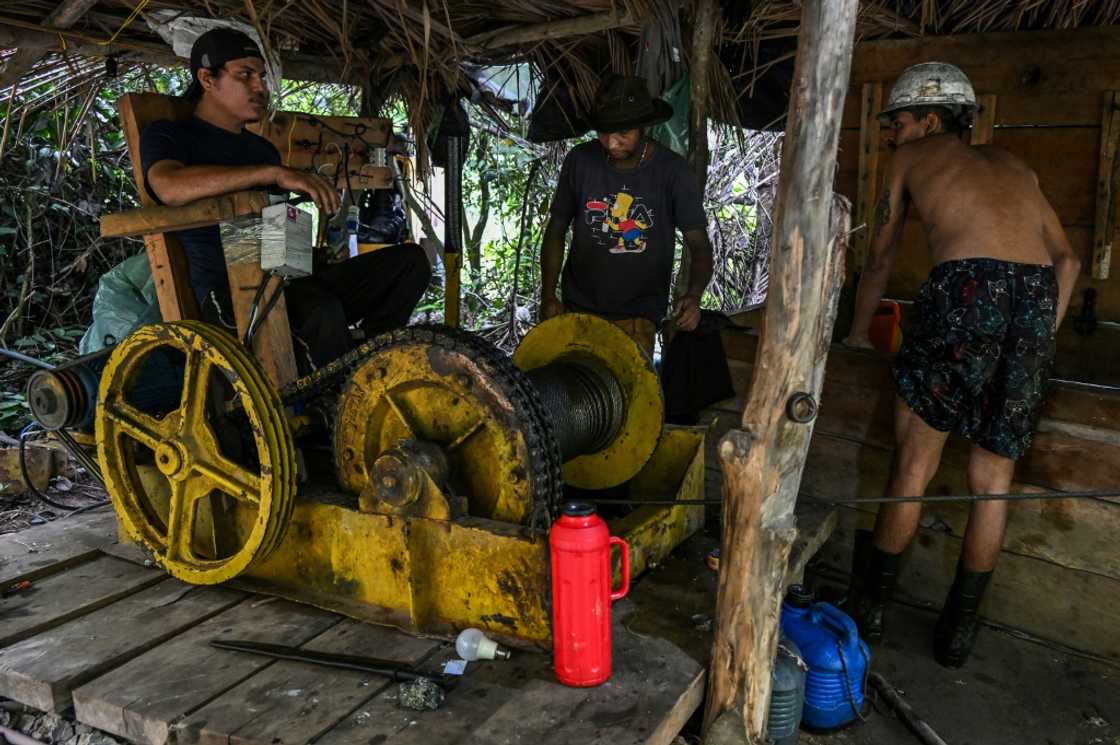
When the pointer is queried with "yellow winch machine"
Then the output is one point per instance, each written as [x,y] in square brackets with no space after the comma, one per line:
[425,499]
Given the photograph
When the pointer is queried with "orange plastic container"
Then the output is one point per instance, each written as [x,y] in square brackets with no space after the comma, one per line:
[886,327]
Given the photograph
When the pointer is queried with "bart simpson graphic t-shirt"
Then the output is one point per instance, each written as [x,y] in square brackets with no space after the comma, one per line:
[623,222]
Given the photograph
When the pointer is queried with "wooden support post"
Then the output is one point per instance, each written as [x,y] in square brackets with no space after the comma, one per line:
[762,464]
[984,125]
[700,74]
[868,187]
[1104,226]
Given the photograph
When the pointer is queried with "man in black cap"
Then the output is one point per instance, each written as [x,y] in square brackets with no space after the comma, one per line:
[211,153]
[625,196]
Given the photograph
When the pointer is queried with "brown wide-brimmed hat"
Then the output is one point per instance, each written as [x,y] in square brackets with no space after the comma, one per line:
[625,103]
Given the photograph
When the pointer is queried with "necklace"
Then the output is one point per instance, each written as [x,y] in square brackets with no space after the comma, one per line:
[641,158]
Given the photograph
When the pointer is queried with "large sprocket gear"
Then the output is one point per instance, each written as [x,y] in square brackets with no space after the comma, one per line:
[452,388]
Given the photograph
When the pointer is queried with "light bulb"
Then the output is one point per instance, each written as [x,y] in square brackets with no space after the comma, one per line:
[473,645]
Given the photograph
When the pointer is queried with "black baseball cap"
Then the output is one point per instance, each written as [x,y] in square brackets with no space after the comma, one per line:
[215,48]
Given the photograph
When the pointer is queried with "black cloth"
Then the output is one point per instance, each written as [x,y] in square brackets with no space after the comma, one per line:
[378,290]
[620,262]
[194,142]
[694,372]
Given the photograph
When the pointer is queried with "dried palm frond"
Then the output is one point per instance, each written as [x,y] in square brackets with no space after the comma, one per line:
[415,49]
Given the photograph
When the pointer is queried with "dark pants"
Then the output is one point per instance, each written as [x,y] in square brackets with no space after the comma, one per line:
[379,290]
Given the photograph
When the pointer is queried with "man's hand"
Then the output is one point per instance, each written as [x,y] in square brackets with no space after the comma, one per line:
[858,342]
[321,192]
[551,306]
[686,312]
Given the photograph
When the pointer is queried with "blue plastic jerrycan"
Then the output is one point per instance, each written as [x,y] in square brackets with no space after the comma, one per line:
[838,660]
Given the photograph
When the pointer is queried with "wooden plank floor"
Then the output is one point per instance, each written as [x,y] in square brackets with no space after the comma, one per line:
[43,670]
[36,552]
[128,649]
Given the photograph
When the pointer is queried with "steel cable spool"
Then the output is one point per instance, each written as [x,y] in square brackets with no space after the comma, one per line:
[602,394]
[162,466]
[584,402]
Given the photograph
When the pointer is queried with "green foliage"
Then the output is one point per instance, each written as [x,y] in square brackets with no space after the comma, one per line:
[14,412]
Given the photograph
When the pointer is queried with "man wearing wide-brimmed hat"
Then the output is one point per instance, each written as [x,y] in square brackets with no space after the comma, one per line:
[625,196]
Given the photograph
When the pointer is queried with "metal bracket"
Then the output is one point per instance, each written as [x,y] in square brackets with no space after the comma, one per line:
[801,408]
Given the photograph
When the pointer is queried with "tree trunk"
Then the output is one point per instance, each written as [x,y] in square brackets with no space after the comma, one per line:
[762,464]
[705,23]
[474,235]
[699,95]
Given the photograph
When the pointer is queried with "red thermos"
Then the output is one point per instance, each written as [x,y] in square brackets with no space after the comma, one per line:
[581,595]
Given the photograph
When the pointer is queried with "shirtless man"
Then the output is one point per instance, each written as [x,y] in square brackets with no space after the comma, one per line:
[978,356]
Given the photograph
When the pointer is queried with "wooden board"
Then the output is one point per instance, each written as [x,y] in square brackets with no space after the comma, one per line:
[69,594]
[983,128]
[44,549]
[868,171]
[1025,108]
[320,144]
[307,142]
[1067,181]
[1020,61]
[1077,447]
[42,670]
[1104,224]
[654,688]
[139,666]
[137,111]
[143,699]
[202,212]
[291,702]
[1025,593]
[1079,534]
[165,254]
[1072,402]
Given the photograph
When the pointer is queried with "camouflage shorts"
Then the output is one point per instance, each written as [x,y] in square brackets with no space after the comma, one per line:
[978,355]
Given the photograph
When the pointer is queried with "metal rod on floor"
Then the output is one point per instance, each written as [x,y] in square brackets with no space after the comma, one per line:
[913,722]
[388,668]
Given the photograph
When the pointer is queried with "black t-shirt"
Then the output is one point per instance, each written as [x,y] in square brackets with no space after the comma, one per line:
[194,142]
[620,262]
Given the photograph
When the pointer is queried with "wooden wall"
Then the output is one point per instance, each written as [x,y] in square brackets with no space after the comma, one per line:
[1059,575]
[1048,90]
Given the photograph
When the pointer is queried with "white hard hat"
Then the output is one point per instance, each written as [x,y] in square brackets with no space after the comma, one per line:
[931,84]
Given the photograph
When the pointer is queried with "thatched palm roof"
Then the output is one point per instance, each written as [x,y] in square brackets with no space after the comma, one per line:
[418,48]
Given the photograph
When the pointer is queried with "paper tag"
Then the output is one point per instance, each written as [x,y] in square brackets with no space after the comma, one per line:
[454,667]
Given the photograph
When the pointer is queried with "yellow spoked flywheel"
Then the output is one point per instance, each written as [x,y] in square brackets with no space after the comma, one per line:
[195,450]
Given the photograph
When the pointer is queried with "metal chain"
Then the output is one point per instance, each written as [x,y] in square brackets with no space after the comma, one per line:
[540,439]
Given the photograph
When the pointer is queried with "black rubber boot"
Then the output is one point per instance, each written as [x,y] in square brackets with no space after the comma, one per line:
[959,621]
[874,576]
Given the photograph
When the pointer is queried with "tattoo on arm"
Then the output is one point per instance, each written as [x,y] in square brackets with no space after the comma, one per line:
[883,211]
